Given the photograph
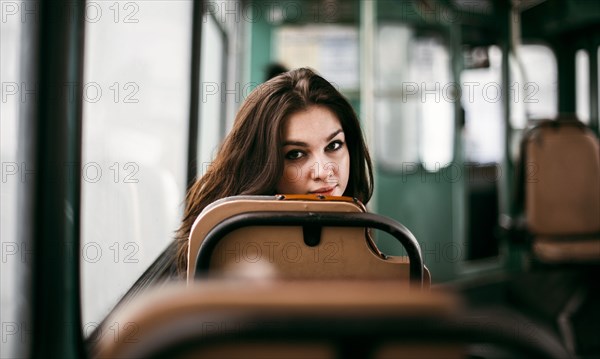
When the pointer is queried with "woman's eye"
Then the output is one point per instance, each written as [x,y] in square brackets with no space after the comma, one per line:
[294,155]
[334,146]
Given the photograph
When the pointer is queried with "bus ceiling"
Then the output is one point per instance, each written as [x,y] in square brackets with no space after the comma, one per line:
[550,18]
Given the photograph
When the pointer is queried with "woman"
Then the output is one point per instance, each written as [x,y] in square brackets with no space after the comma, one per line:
[294,134]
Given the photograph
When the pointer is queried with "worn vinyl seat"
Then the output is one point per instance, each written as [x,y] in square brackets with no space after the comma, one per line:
[286,252]
[562,191]
[310,319]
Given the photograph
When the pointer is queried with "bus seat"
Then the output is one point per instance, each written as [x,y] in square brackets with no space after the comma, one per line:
[562,191]
[283,252]
[309,319]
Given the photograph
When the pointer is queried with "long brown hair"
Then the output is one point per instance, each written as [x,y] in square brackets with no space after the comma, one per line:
[250,160]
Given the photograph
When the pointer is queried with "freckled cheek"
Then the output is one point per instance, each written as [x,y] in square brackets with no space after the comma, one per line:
[291,172]
[293,180]
[338,163]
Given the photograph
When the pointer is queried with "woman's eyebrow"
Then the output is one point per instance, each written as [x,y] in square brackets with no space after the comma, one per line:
[334,134]
[304,144]
[294,143]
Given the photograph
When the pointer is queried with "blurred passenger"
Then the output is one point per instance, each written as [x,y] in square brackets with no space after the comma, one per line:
[273,69]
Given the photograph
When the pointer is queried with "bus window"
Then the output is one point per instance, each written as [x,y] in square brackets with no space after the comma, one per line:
[135,120]
[211,91]
[432,62]
[414,121]
[582,85]
[534,80]
[331,50]
[481,101]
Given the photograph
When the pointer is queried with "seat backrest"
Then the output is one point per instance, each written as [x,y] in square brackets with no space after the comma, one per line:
[316,319]
[562,179]
[282,252]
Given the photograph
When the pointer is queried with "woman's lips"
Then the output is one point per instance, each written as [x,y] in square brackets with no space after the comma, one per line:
[325,191]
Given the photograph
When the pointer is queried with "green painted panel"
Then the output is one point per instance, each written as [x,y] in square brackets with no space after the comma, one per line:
[260,56]
[423,202]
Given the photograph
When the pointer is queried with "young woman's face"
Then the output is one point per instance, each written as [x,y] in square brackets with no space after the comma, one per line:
[316,158]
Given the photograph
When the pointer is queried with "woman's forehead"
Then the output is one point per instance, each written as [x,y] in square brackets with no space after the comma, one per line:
[315,120]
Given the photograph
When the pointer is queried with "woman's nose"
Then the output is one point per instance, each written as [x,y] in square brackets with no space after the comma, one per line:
[322,170]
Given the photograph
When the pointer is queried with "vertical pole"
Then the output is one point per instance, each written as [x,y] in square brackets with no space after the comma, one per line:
[51,131]
[508,206]
[593,56]
[460,202]
[192,155]
[368,30]
[565,58]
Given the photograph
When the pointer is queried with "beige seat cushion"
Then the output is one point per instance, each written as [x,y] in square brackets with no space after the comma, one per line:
[280,252]
[563,182]
[562,192]
[204,308]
